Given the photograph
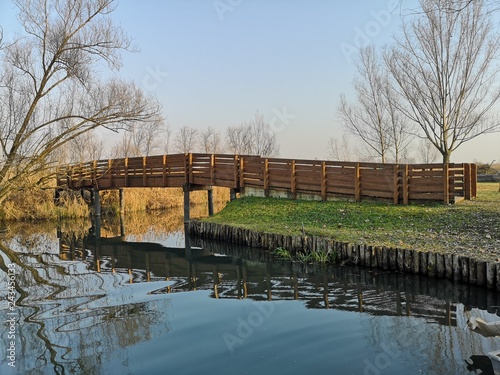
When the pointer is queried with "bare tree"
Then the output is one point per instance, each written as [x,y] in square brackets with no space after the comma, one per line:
[166,137]
[427,152]
[186,139]
[340,150]
[400,130]
[84,148]
[374,118]
[50,89]
[142,139]
[253,137]
[211,141]
[147,137]
[238,139]
[125,147]
[445,68]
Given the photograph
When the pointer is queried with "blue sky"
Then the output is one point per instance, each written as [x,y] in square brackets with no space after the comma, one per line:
[216,62]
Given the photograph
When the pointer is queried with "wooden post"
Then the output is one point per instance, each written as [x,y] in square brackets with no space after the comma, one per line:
[165,170]
[357,184]
[232,194]
[122,227]
[126,171]
[395,186]
[110,172]
[467,182]
[473,180]
[210,198]
[148,267]
[144,176]
[212,169]
[97,203]
[93,173]
[186,206]
[57,196]
[451,182]
[122,201]
[406,185]
[266,177]
[293,183]
[446,183]
[241,172]
[189,168]
[323,181]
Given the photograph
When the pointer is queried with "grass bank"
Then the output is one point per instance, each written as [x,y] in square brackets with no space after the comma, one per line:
[471,228]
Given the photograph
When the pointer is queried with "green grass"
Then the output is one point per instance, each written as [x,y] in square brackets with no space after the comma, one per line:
[469,227]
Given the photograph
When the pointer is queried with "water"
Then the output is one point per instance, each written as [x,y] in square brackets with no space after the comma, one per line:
[137,303]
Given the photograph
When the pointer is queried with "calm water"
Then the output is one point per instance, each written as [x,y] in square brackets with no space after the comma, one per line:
[136,302]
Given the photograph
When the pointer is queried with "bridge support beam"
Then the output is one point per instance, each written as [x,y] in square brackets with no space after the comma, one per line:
[232,194]
[187,188]
[97,202]
[57,196]
[96,212]
[210,198]
[186,205]
[122,201]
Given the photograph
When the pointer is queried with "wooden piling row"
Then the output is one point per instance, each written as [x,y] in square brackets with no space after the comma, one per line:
[458,268]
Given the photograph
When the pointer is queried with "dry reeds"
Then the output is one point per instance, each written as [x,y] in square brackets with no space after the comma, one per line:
[38,204]
[155,199]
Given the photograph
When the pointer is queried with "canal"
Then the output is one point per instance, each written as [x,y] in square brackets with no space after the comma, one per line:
[136,301]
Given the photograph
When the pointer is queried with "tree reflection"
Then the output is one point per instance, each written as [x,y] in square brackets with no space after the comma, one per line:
[71,319]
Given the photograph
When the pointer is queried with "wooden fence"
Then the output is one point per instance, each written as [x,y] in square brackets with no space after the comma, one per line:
[399,183]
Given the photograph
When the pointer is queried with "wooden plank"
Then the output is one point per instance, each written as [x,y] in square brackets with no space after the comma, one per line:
[341,184]
[381,180]
[224,175]
[254,183]
[423,196]
[376,193]
[426,188]
[308,186]
[340,172]
[426,173]
[276,183]
[304,179]
[333,190]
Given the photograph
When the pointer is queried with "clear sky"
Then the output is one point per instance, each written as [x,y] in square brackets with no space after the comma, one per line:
[217,62]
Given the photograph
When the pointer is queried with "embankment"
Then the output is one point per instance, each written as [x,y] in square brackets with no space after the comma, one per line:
[456,267]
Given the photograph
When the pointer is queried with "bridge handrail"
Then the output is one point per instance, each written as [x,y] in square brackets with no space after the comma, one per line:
[400,183]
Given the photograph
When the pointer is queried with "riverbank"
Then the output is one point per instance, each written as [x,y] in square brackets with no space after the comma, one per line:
[457,236]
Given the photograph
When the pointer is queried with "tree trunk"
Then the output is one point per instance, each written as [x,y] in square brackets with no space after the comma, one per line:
[446,157]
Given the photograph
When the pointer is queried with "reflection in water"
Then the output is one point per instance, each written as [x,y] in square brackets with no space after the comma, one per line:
[84,302]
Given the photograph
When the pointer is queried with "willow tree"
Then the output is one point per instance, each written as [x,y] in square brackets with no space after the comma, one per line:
[445,66]
[52,89]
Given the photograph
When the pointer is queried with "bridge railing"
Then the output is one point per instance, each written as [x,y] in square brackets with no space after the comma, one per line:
[399,183]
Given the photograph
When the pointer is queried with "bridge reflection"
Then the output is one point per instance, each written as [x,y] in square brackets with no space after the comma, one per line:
[231,271]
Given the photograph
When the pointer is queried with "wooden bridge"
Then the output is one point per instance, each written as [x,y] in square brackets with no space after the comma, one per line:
[319,179]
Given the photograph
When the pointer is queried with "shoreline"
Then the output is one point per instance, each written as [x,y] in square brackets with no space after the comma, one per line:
[454,267]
